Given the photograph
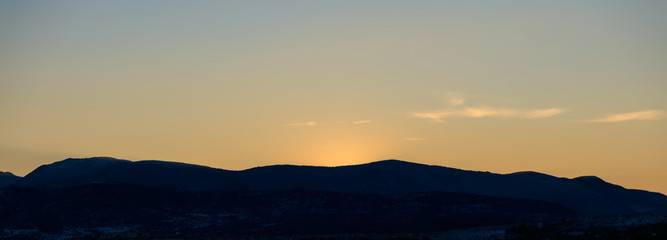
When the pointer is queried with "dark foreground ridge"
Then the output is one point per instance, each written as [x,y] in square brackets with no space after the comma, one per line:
[586,195]
[170,212]
[97,196]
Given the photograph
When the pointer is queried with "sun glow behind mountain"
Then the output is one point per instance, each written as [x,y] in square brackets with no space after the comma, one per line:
[568,88]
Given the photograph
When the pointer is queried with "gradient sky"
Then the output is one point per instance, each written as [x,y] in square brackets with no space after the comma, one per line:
[567,88]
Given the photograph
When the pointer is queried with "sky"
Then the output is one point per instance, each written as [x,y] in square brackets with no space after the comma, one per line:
[567,88]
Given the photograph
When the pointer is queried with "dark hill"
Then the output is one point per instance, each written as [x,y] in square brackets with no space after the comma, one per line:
[215,213]
[7,178]
[585,195]
[161,174]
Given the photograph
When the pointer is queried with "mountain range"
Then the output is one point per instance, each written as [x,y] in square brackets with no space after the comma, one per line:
[102,197]
[584,195]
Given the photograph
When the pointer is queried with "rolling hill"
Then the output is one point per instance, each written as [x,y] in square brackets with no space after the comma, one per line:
[585,195]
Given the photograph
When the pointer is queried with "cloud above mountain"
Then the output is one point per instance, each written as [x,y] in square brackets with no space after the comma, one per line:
[453,100]
[457,111]
[413,139]
[362,122]
[484,111]
[301,124]
[631,116]
[314,123]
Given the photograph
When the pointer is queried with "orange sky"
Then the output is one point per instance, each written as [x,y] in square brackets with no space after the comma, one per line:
[567,88]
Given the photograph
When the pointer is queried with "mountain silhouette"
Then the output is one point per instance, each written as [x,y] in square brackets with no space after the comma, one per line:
[585,195]
[7,179]
[161,174]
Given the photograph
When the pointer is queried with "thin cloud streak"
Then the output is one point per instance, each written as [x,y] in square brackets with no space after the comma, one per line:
[413,139]
[434,116]
[301,124]
[454,101]
[486,112]
[480,112]
[544,113]
[313,123]
[631,116]
[362,122]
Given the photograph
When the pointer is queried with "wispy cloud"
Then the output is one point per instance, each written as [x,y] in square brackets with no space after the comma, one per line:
[480,112]
[477,112]
[413,139]
[632,116]
[543,113]
[456,110]
[362,122]
[453,100]
[313,123]
[300,124]
[435,116]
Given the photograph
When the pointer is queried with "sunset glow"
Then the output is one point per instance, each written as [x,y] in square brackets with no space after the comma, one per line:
[567,88]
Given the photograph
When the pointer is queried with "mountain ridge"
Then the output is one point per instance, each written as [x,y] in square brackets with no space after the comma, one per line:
[586,194]
[8,178]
